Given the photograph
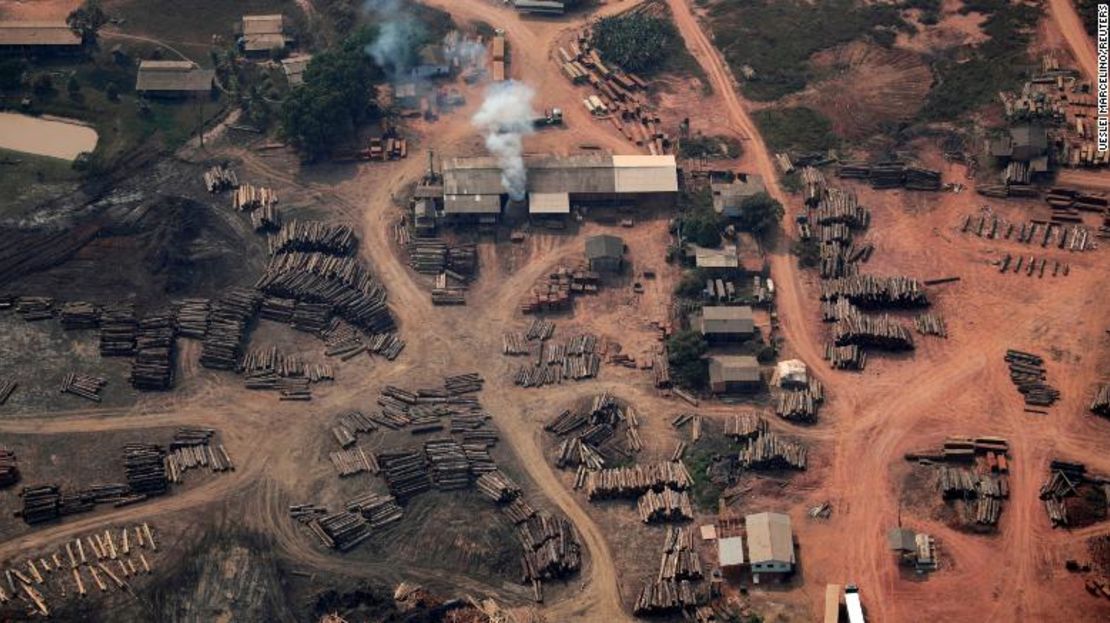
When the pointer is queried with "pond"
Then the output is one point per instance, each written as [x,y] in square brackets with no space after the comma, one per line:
[45,136]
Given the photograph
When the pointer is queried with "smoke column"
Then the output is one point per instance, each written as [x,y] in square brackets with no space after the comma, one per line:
[506,117]
[392,49]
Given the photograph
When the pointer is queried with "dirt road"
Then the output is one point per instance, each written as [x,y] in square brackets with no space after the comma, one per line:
[1082,47]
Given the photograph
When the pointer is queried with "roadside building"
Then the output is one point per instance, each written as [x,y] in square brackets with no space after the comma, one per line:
[294,68]
[719,323]
[605,253]
[770,544]
[554,183]
[734,374]
[1024,152]
[260,34]
[542,7]
[730,552]
[727,196]
[173,79]
[721,259]
[38,37]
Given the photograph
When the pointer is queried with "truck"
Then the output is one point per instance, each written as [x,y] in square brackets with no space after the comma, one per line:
[852,601]
[551,117]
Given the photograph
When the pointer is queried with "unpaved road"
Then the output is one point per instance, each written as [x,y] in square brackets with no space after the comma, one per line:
[1082,47]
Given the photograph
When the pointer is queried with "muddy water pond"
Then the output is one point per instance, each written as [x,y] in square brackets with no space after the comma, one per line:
[45,136]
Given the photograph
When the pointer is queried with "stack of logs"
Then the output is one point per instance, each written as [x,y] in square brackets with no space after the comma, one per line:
[377,509]
[9,468]
[153,367]
[869,291]
[498,487]
[666,505]
[33,308]
[1063,490]
[83,385]
[1028,374]
[7,387]
[80,315]
[575,359]
[406,473]
[145,467]
[247,197]
[634,481]
[228,318]
[192,318]
[220,178]
[1100,404]
[930,324]
[266,219]
[556,291]
[117,330]
[551,550]
[342,531]
[850,357]
[800,404]
[672,589]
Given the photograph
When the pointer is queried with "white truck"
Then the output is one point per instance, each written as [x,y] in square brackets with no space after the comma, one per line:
[853,604]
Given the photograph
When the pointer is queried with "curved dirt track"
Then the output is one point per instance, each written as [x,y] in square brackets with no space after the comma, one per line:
[1071,26]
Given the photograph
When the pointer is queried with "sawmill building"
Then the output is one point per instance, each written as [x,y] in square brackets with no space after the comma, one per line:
[734,374]
[473,187]
[720,323]
[38,37]
[173,78]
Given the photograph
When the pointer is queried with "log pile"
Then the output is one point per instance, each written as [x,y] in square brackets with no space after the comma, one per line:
[353,461]
[892,175]
[575,359]
[850,357]
[514,344]
[540,329]
[145,467]
[1100,404]
[985,490]
[678,565]
[930,324]
[378,510]
[518,511]
[624,482]
[556,291]
[311,317]
[769,451]
[7,387]
[266,219]
[247,197]
[1064,230]
[744,426]
[448,465]
[117,330]
[872,330]
[406,473]
[83,385]
[1069,482]
[551,550]
[840,207]
[153,367]
[80,315]
[228,319]
[192,318]
[317,236]
[664,597]
[220,178]
[448,296]
[342,531]
[192,448]
[9,468]
[1028,374]
[277,309]
[800,404]
[497,487]
[666,505]
[869,291]
[33,308]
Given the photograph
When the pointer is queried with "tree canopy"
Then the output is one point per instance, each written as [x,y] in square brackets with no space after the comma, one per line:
[637,42]
[684,354]
[334,99]
[759,214]
[87,20]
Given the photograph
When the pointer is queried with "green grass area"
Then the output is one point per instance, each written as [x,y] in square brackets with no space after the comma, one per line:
[26,176]
[967,80]
[777,37]
[647,45]
[797,129]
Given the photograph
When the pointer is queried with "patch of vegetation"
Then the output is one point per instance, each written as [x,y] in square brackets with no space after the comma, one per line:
[699,223]
[760,215]
[684,354]
[643,44]
[716,146]
[797,129]
[808,252]
[333,100]
[1088,14]
[87,20]
[998,64]
[777,37]
[791,182]
[692,284]
[705,491]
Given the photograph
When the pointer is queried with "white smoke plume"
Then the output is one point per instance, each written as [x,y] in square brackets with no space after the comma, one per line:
[506,117]
[392,49]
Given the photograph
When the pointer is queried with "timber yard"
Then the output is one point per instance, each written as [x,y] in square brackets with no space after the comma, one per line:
[523,311]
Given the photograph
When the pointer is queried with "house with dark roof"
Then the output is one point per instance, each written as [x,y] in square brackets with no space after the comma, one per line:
[259,34]
[605,253]
[173,78]
[734,374]
[38,37]
[721,323]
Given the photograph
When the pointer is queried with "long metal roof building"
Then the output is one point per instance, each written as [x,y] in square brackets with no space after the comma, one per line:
[552,180]
[37,33]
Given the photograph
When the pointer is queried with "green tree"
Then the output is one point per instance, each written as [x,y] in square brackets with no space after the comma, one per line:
[808,252]
[43,84]
[684,354]
[87,20]
[691,285]
[637,42]
[112,91]
[759,214]
[73,87]
[11,73]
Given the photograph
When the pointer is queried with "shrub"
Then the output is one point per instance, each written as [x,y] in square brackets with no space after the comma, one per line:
[684,354]
[797,129]
[639,43]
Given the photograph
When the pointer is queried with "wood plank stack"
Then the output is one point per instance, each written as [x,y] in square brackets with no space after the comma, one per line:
[118,327]
[80,315]
[192,318]
[378,510]
[666,505]
[635,480]
[1028,374]
[9,468]
[555,292]
[248,197]
[83,385]
[1100,404]
[228,320]
[153,367]
[220,178]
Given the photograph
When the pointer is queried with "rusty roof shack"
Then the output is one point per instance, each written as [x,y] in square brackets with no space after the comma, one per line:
[173,78]
[259,34]
[34,37]
[605,253]
[721,323]
[734,374]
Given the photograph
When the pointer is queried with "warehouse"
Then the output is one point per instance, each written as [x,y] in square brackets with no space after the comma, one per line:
[731,374]
[260,34]
[770,543]
[38,38]
[723,323]
[173,78]
[556,183]
[605,253]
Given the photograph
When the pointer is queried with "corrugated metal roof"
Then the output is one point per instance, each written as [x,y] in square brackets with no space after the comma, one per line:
[472,204]
[733,368]
[645,174]
[725,257]
[258,43]
[604,246]
[730,551]
[900,539]
[173,76]
[548,203]
[591,173]
[727,319]
[37,33]
[770,538]
[263,24]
